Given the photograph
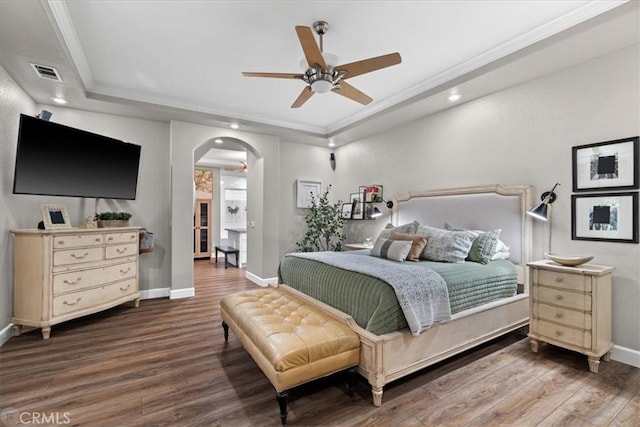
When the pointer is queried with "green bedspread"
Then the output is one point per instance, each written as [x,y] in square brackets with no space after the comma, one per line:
[372,302]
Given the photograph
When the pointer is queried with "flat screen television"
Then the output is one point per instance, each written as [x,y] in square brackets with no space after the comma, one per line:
[57,160]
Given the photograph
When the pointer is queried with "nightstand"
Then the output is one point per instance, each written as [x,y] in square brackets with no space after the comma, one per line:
[356,246]
[571,308]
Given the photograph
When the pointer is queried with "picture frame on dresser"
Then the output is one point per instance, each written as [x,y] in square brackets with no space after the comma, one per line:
[55,217]
[606,166]
[609,217]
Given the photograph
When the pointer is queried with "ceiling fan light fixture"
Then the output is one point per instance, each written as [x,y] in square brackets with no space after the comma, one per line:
[321,86]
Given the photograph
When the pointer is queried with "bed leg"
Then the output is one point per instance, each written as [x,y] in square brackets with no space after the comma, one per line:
[377,395]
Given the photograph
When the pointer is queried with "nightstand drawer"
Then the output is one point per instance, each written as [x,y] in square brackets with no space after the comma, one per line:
[563,334]
[579,319]
[118,251]
[575,300]
[575,282]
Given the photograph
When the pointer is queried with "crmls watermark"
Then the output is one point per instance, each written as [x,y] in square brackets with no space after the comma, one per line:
[12,417]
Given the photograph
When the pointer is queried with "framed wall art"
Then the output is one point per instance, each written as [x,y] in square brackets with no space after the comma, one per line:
[305,190]
[356,200]
[609,165]
[55,217]
[346,210]
[611,217]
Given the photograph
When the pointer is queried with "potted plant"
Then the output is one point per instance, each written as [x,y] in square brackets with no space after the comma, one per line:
[325,226]
[113,219]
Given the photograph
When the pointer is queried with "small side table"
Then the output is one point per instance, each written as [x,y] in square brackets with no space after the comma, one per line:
[356,246]
[571,308]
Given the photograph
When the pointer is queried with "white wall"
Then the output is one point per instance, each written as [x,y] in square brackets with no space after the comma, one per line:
[522,135]
[13,102]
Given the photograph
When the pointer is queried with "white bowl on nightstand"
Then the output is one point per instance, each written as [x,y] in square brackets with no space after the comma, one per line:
[569,260]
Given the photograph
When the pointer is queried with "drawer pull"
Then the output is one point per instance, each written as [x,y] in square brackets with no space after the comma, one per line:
[559,315]
[558,297]
[61,242]
[125,288]
[70,282]
[98,239]
[110,239]
[86,254]
[559,333]
[121,251]
[559,279]
[72,303]
[132,237]
[125,271]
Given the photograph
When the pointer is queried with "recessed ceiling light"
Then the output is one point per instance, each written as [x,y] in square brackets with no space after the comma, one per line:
[454,97]
[218,141]
[58,100]
[234,126]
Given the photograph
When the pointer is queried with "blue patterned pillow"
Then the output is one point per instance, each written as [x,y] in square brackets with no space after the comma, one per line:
[484,244]
[446,245]
[396,250]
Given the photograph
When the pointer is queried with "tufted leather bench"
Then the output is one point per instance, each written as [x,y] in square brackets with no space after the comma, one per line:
[291,341]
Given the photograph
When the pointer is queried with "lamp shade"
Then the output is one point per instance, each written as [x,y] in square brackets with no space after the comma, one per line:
[539,212]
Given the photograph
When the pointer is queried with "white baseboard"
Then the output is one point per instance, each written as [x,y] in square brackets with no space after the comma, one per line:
[182,293]
[155,293]
[625,355]
[6,333]
[260,281]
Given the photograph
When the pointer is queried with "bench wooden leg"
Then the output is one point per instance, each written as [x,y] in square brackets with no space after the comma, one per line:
[282,401]
[226,331]
[353,379]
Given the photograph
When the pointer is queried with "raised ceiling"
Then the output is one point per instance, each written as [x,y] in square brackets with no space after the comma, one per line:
[188,56]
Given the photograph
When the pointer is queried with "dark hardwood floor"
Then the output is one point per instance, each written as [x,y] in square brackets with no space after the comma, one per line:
[166,363]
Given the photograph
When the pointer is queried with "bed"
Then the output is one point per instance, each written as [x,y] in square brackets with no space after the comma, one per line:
[389,349]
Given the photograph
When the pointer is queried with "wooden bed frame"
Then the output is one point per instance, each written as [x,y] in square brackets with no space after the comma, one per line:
[388,357]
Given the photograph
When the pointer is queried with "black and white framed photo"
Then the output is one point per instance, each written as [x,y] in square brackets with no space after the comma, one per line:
[356,200]
[346,210]
[305,190]
[55,217]
[611,217]
[609,165]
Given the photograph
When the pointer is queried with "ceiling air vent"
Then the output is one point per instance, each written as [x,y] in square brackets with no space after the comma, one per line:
[46,72]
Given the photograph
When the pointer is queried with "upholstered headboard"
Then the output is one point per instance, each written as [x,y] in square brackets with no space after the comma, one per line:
[484,208]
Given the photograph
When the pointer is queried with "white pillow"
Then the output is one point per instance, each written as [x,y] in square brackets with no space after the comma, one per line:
[396,250]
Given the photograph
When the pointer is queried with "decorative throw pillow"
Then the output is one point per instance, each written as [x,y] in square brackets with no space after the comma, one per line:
[396,250]
[417,244]
[409,228]
[484,244]
[445,245]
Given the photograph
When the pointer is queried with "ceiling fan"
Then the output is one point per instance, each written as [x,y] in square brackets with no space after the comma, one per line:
[322,77]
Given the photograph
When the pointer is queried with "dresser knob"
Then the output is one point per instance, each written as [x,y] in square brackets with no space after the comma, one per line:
[559,279]
[97,239]
[559,297]
[559,333]
[61,242]
[559,315]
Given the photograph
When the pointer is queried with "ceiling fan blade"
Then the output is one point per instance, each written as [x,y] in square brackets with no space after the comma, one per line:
[351,92]
[303,97]
[310,47]
[367,65]
[274,75]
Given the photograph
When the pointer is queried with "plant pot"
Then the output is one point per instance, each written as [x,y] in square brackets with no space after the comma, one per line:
[110,223]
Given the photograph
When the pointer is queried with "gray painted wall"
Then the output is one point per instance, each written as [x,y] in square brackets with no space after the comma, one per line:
[522,135]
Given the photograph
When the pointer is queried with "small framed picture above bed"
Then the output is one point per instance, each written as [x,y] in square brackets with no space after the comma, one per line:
[346,210]
[609,217]
[356,201]
[609,165]
[305,190]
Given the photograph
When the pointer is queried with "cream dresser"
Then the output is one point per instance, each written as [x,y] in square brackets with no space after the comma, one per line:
[60,275]
[571,308]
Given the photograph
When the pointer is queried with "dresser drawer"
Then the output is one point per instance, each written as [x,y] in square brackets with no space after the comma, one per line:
[83,279]
[575,300]
[119,251]
[126,237]
[575,282]
[89,298]
[578,319]
[76,256]
[76,241]
[563,334]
